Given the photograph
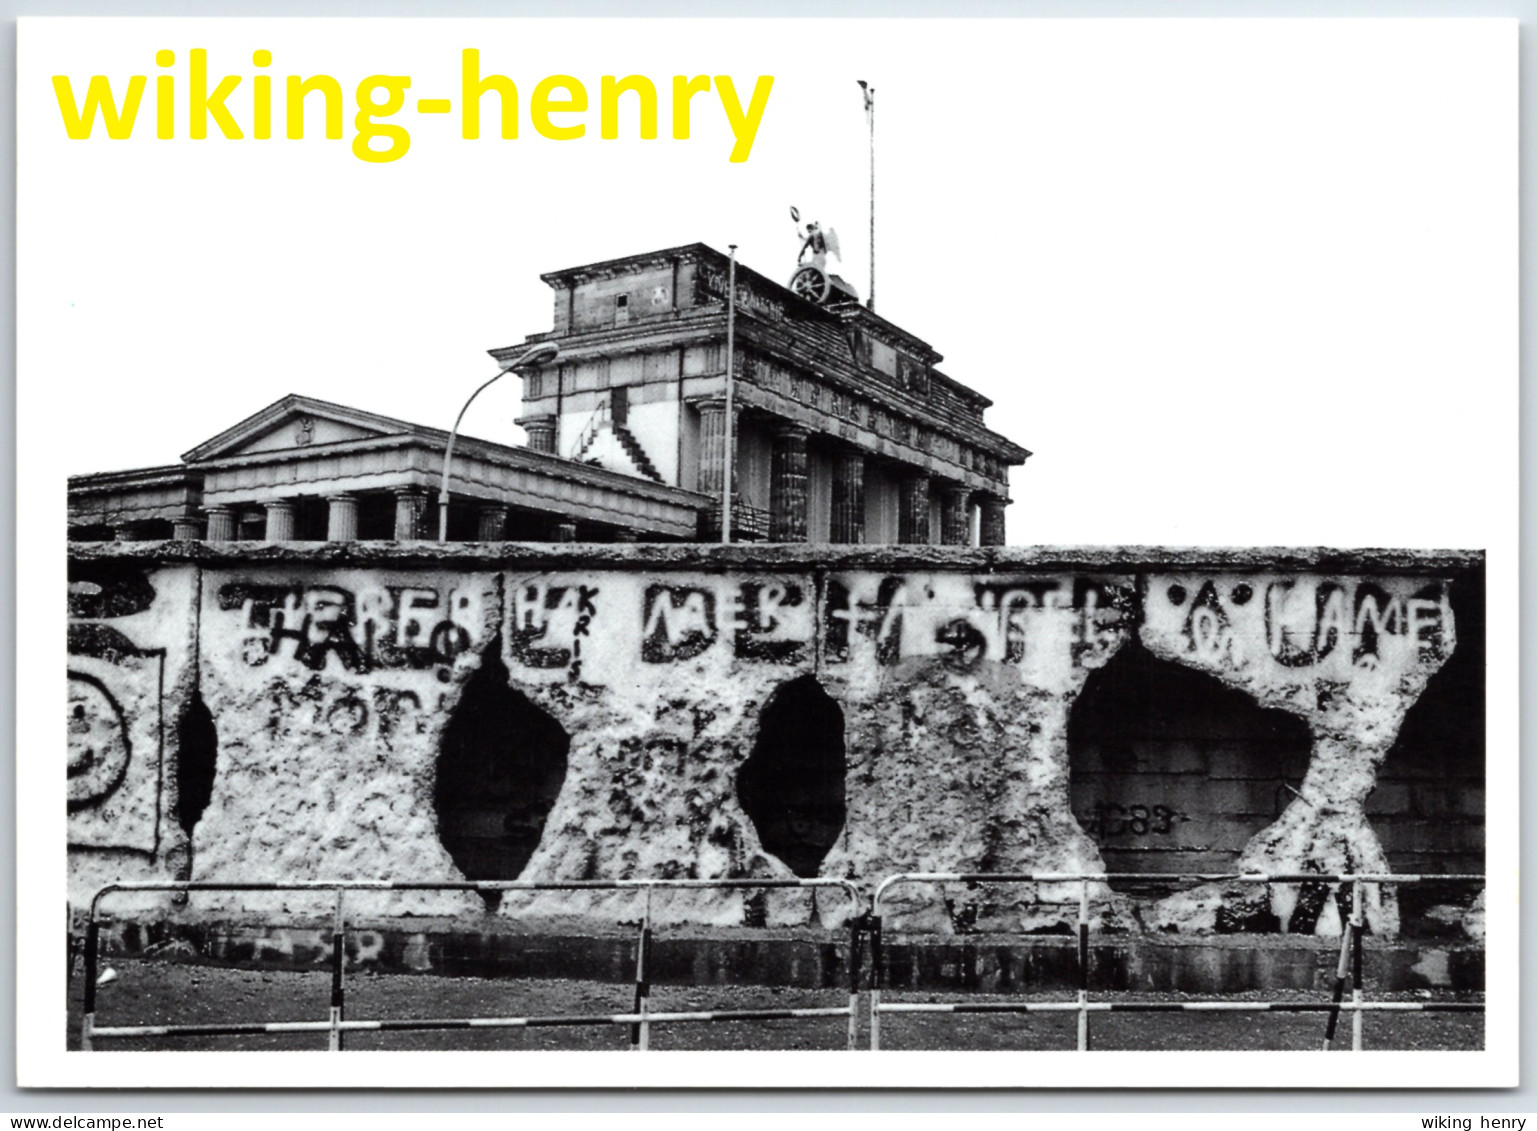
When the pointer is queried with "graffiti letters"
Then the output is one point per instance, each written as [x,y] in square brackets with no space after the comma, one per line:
[766,621]
[961,627]
[345,710]
[679,623]
[1305,621]
[386,627]
[1207,626]
[544,614]
[771,621]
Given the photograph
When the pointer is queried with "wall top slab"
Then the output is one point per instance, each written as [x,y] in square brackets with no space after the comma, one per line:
[695,556]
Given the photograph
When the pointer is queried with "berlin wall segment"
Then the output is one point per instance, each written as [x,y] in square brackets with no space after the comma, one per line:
[333,675]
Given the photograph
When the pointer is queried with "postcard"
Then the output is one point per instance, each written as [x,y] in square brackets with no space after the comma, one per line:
[768,552]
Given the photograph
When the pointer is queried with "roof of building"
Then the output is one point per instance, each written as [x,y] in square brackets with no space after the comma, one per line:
[254,457]
[232,444]
[815,337]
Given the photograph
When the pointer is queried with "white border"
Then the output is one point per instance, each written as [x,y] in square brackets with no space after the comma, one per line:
[39,571]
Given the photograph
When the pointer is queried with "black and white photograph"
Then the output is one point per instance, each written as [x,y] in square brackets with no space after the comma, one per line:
[976,553]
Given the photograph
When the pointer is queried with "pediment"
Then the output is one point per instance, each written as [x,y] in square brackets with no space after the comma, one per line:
[292,423]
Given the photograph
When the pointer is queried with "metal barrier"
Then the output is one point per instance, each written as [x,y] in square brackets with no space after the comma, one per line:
[336,1026]
[642,1017]
[1349,958]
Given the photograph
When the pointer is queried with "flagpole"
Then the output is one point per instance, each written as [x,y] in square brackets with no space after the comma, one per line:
[870,117]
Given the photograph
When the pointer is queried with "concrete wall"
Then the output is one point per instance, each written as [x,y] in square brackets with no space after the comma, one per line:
[333,672]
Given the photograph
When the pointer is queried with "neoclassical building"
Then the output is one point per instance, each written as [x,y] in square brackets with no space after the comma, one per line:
[842,426]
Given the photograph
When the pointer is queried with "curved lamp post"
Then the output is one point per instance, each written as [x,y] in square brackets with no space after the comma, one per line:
[541,354]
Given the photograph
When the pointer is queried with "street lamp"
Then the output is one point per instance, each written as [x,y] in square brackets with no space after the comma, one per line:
[540,354]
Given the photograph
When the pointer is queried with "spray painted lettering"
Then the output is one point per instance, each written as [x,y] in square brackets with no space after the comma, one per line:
[543,614]
[1307,620]
[995,621]
[385,627]
[767,621]
[378,713]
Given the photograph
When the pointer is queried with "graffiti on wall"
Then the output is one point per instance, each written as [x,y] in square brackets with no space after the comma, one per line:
[766,621]
[1304,622]
[376,714]
[114,716]
[762,620]
[961,622]
[560,624]
[549,624]
[99,747]
[356,630]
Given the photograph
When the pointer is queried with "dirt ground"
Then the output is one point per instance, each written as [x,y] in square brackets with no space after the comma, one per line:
[151,993]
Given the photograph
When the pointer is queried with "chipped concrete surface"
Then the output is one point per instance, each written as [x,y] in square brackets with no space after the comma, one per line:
[132,639]
[956,691]
[1349,657]
[330,693]
[332,671]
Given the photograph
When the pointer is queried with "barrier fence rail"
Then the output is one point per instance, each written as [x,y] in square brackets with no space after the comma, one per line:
[640,1019]
[1349,964]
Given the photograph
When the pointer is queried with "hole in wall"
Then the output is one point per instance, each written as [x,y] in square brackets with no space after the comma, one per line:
[197,762]
[1429,805]
[500,768]
[792,785]
[1172,771]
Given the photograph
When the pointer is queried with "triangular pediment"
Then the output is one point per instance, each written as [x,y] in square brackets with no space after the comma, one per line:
[296,422]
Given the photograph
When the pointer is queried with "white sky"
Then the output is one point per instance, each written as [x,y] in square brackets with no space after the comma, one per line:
[1246,282]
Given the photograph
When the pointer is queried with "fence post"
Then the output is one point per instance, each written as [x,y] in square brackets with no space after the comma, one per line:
[640,1033]
[1340,970]
[1357,924]
[877,974]
[88,1018]
[338,962]
[1083,966]
[856,925]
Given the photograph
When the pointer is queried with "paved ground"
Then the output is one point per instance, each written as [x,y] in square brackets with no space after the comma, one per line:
[149,992]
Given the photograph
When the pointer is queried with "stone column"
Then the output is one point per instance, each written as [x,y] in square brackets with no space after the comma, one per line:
[280,520]
[626,536]
[410,504]
[493,523]
[913,513]
[712,447]
[848,510]
[186,529]
[541,433]
[565,531]
[341,518]
[124,533]
[992,520]
[954,522]
[787,485]
[221,524]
